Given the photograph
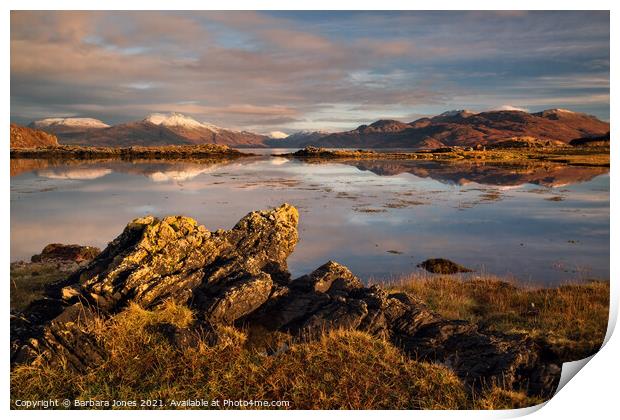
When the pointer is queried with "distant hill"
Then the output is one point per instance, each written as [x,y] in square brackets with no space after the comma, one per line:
[24,137]
[464,128]
[451,128]
[298,139]
[154,130]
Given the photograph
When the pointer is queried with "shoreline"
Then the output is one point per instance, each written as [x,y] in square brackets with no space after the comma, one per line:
[127,153]
[568,155]
[587,156]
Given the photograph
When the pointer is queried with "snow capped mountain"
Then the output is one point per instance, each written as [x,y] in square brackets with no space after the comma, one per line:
[76,122]
[156,129]
[277,135]
[174,119]
[309,132]
[177,120]
[297,139]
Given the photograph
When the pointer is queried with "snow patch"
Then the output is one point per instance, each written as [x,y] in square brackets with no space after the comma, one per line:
[70,122]
[455,112]
[278,135]
[174,119]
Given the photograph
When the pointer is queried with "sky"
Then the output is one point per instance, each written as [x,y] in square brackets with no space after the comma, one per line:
[287,71]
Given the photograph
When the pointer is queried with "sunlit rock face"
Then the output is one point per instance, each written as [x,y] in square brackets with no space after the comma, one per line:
[24,137]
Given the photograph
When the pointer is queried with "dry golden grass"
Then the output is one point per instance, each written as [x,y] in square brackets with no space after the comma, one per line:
[344,369]
[572,317]
[502,399]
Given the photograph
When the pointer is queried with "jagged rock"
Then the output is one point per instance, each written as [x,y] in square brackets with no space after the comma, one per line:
[443,266]
[240,277]
[175,258]
[328,276]
[241,294]
[66,339]
[60,252]
[224,274]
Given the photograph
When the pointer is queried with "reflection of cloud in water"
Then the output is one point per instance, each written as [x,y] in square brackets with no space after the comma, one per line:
[488,236]
[74,174]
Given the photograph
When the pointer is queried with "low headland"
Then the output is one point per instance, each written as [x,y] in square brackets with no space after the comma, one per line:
[510,151]
[171,311]
[131,152]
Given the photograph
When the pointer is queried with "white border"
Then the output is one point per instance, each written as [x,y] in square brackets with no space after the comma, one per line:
[593,393]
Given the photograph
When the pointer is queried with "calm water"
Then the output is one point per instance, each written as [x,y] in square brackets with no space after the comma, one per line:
[545,224]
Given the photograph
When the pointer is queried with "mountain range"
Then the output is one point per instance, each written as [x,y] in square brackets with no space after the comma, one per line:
[452,128]
[154,130]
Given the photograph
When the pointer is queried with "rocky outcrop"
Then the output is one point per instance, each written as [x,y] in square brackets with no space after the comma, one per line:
[443,266]
[60,252]
[24,137]
[240,277]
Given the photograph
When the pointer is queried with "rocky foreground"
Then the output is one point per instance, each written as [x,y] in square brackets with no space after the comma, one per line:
[239,277]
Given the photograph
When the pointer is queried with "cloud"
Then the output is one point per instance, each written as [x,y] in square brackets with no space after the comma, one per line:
[271,71]
[512,108]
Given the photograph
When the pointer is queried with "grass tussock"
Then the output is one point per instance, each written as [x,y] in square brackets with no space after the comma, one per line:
[572,318]
[343,369]
[502,399]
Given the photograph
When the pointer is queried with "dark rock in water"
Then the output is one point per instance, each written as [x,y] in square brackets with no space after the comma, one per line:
[443,266]
[60,252]
[240,277]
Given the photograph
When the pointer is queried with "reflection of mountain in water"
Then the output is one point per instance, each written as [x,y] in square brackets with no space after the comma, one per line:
[157,171]
[74,174]
[178,175]
[461,173]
